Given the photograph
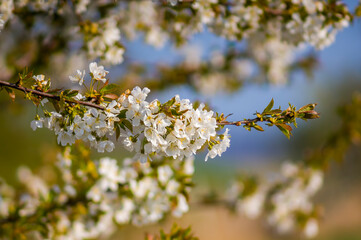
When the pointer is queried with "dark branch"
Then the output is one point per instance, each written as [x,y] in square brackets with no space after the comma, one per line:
[48,95]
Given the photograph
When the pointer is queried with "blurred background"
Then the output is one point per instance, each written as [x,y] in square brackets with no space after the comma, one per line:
[336,78]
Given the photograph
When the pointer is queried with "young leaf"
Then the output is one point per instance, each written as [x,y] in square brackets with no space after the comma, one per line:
[111,96]
[109,88]
[117,131]
[285,129]
[308,107]
[72,93]
[258,127]
[269,107]
[122,113]
[128,125]
[11,93]
[55,104]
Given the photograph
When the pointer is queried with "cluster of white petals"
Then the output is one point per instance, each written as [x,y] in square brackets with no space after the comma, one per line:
[130,193]
[274,56]
[6,8]
[2,22]
[295,196]
[238,20]
[143,15]
[115,194]
[283,202]
[174,129]
[152,192]
[221,72]
[105,43]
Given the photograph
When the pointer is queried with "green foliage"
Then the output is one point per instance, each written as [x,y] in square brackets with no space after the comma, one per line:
[176,233]
[275,117]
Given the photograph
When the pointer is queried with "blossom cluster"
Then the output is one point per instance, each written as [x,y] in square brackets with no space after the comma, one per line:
[6,8]
[274,31]
[295,22]
[103,41]
[149,191]
[286,204]
[95,196]
[143,15]
[173,129]
[273,56]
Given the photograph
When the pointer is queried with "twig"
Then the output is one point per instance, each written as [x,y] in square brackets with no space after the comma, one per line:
[48,95]
[57,98]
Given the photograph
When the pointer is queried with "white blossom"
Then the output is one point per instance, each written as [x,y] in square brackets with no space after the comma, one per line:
[78,78]
[98,72]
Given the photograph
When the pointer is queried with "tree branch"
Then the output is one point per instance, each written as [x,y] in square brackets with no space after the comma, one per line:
[48,95]
[220,122]
[239,123]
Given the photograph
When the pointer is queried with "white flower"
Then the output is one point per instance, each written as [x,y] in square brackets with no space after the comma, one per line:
[310,6]
[44,101]
[289,169]
[40,80]
[112,109]
[36,124]
[188,167]
[96,47]
[124,214]
[220,148]
[156,37]
[79,97]
[81,6]
[138,95]
[311,228]
[154,106]
[172,187]
[109,171]
[252,205]
[114,55]
[126,174]
[164,173]
[105,145]
[182,206]
[78,78]
[2,22]
[315,182]
[70,190]
[65,138]
[143,187]
[111,34]
[98,72]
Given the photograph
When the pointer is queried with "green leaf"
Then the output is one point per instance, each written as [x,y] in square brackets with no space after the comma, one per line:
[275,111]
[11,93]
[55,104]
[128,125]
[285,129]
[72,93]
[269,107]
[309,115]
[308,107]
[111,96]
[109,88]
[117,130]
[258,127]
[358,11]
[170,102]
[122,114]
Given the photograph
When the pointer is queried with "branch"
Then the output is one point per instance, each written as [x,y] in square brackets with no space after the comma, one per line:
[48,95]
[274,117]
[239,123]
